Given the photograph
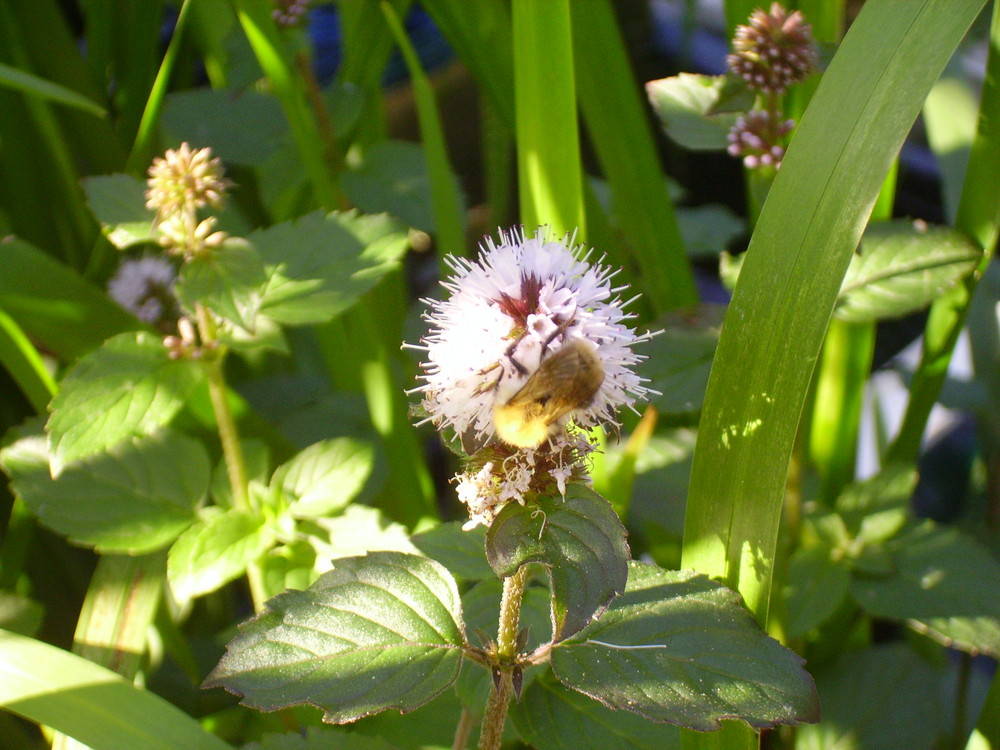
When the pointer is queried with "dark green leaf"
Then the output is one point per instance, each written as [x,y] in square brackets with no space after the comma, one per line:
[325,477]
[128,388]
[944,584]
[227,281]
[680,358]
[883,697]
[678,647]
[119,203]
[557,718]
[319,738]
[393,179]
[708,230]
[460,551]
[54,305]
[816,587]
[903,267]
[204,117]
[579,539]
[377,632]
[698,111]
[134,498]
[20,615]
[318,266]
[216,550]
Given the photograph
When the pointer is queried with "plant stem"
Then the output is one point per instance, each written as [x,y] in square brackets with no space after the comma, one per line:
[463,730]
[229,437]
[228,434]
[506,650]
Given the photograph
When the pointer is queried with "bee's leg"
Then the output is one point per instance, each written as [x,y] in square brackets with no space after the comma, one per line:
[560,331]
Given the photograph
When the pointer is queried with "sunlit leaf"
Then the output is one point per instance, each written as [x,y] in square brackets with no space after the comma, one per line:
[377,632]
[130,387]
[134,498]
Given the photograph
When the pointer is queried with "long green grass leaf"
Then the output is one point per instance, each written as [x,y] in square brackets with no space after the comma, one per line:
[31,84]
[798,255]
[90,703]
[548,141]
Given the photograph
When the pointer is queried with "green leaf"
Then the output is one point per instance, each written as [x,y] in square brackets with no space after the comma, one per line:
[319,738]
[54,305]
[356,531]
[205,117]
[698,111]
[579,539]
[318,266]
[227,281]
[119,203]
[903,267]
[944,584]
[709,229]
[20,614]
[882,697]
[460,551]
[90,703]
[216,550]
[678,647]
[876,509]
[20,80]
[134,498]
[680,359]
[393,179]
[554,717]
[130,387]
[377,632]
[326,476]
[816,587]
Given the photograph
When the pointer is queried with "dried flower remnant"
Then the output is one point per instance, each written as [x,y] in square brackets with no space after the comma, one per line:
[774,50]
[181,182]
[144,287]
[530,347]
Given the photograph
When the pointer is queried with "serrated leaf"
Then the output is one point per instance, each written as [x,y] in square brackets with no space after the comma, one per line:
[319,265]
[325,477]
[204,116]
[119,203]
[554,717]
[882,697]
[902,267]
[698,111]
[680,358]
[227,281]
[460,551]
[579,539]
[393,179]
[816,587]
[216,550]
[127,388]
[376,632]
[944,584]
[678,647]
[134,498]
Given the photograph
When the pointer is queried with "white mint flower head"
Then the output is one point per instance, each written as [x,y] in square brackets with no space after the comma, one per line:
[144,287]
[531,344]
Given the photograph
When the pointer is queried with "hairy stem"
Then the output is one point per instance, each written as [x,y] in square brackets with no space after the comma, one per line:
[506,650]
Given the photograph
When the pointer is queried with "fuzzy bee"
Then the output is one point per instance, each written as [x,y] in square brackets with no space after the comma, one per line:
[566,380]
